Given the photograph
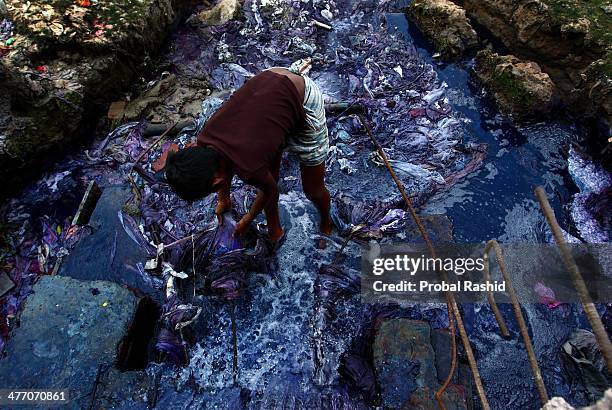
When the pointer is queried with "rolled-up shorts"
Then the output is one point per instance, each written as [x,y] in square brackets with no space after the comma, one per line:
[311,144]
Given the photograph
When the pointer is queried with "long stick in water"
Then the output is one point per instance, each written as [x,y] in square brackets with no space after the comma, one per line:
[154,144]
[533,361]
[570,264]
[234,342]
[450,297]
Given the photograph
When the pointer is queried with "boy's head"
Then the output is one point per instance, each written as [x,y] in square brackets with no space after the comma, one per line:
[192,172]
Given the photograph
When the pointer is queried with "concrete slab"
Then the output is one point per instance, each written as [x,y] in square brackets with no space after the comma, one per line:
[109,253]
[404,360]
[68,328]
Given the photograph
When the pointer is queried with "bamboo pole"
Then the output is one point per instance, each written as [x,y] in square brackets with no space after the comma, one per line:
[450,297]
[533,361]
[570,264]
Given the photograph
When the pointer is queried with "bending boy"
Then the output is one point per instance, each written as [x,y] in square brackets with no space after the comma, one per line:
[273,110]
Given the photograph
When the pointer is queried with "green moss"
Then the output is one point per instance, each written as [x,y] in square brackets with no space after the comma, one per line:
[444,46]
[571,10]
[132,209]
[606,67]
[122,12]
[512,89]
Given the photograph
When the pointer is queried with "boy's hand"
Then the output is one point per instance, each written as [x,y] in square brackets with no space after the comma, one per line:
[222,207]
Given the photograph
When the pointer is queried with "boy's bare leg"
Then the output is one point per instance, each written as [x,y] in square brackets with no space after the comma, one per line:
[313,183]
[275,230]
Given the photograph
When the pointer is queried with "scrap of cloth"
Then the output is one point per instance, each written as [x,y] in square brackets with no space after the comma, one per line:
[251,128]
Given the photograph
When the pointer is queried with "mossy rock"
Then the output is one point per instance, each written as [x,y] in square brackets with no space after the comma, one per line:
[220,13]
[598,86]
[519,87]
[445,24]
[48,124]
[592,18]
[101,26]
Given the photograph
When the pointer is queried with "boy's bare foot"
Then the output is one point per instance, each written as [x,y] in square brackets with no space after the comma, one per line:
[275,236]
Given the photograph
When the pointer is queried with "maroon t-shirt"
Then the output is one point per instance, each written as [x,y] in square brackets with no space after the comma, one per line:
[250,128]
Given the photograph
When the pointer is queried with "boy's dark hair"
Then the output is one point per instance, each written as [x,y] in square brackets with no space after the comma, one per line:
[190,172]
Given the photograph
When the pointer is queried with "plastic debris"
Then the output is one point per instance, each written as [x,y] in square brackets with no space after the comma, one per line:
[367,220]
[546,295]
[589,208]
[585,366]
[172,346]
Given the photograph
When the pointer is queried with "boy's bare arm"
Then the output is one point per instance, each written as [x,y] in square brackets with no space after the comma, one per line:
[268,193]
[224,203]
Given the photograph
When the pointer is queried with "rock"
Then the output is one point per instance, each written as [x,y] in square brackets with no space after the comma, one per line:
[65,64]
[3,9]
[134,390]
[405,364]
[604,403]
[446,24]
[457,395]
[519,87]
[404,361]
[150,98]
[580,26]
[221,13]
[172,98]
[597,85]
[557,403]
[66,332]
[439,229]
[6,284]
[441,343]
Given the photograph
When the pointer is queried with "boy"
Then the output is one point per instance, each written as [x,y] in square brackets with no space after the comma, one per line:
[275,109]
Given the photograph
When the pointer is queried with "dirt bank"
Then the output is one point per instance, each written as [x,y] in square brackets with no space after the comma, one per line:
[571,41]
[61,63]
